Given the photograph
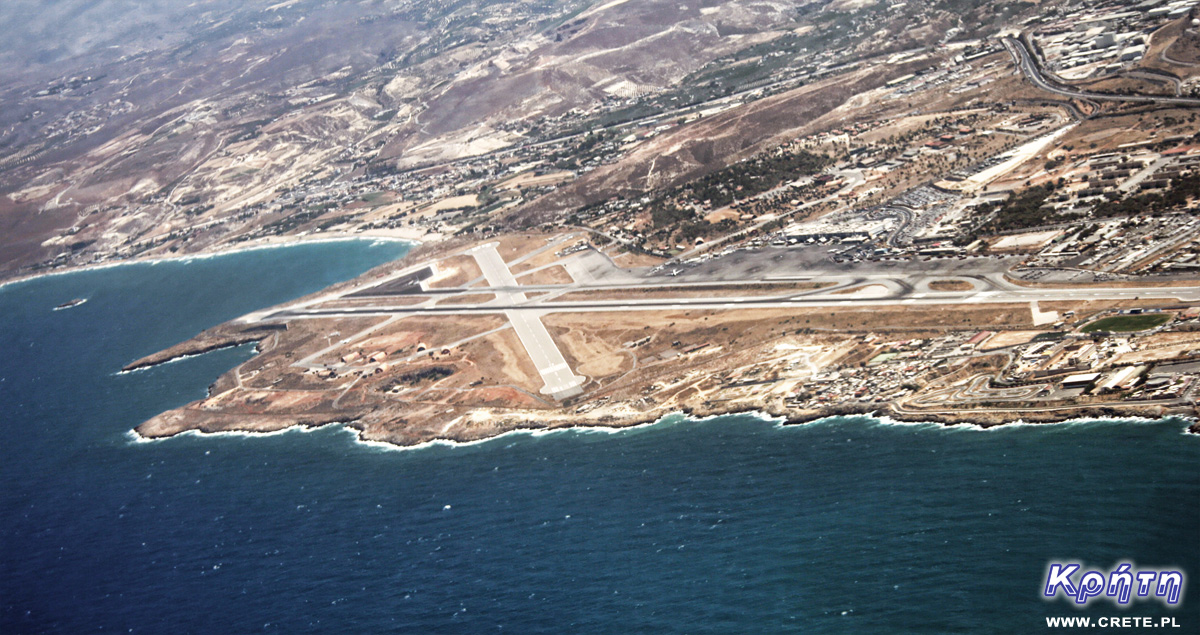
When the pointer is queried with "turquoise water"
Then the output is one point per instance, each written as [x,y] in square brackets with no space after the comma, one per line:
[728,525]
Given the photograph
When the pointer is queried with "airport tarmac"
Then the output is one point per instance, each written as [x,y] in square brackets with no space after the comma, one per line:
[743,279]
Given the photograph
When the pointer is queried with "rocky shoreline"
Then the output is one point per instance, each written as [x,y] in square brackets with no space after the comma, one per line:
[373,430]
[214,339]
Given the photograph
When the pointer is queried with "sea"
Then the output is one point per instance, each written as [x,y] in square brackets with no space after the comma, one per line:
[733,524]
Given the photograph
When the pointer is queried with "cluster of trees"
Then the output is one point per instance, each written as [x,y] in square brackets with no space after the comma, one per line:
[1027,209]
[1174,197]
[740,180]
[433,373]
[669,214]
[295,219]
[1023,210]
[754,176]
[702,229]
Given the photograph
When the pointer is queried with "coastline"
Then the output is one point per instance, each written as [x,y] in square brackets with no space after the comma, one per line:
[678,416]
[403,424]
[225,250]
[141,364]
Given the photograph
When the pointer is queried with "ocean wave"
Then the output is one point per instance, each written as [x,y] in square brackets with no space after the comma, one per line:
[669,418]
[374,241]
[674,417]
[1021,423]
[780,423]
[966,426]
[135,438]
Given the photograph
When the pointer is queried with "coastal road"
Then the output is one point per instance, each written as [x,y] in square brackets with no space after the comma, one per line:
[560,382]
[1029,67]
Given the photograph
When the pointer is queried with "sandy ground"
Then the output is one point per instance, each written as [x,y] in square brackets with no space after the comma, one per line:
[456,271]
[1008,338]
[469,298]
[556,274]
[1032,240]
[868,291]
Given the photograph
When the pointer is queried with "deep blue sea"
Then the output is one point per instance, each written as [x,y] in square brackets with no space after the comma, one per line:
[728,525]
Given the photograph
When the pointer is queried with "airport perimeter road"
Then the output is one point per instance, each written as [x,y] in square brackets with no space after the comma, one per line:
[552,366]
[1029,67]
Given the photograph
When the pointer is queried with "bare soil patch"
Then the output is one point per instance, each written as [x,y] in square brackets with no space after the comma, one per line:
[588,351]
[540,260]
[454,272]
[502,360]
[1009,338]
[951,285]
[550,275]
[403,337]
[513,246]
[634,259]
[469,298]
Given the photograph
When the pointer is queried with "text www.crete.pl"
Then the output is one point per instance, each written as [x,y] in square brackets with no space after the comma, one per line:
[1112,622]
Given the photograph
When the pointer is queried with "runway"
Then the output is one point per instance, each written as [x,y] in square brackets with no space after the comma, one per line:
[750,285]
[560,382]
[900,291]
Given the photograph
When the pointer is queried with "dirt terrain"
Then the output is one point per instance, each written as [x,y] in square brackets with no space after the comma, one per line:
[246,123]
[121,144]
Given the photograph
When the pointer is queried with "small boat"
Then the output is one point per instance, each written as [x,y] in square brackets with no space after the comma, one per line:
[73,303]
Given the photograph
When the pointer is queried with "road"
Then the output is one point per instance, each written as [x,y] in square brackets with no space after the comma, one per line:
[1029,67]
[1175,82]
[1134,181]
[560,382]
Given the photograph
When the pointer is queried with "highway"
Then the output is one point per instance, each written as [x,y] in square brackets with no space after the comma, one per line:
[560,382]
[1029,67]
